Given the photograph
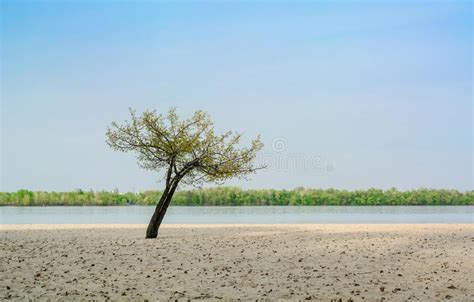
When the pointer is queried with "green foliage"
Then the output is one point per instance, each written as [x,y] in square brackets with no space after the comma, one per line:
[189,150]
[232,196]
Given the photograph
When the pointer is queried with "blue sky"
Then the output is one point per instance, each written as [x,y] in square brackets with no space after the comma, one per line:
[377,94]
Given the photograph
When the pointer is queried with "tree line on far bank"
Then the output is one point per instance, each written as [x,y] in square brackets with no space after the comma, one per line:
[233,196]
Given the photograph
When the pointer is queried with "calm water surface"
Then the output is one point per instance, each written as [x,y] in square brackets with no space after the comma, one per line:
[250,215]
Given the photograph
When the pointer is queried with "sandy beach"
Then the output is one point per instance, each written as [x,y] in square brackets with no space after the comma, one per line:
[320,262]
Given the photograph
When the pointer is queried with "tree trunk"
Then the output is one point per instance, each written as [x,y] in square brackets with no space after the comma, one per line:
[152,229]
[160,211]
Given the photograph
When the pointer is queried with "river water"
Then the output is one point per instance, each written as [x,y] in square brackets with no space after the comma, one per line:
[239,215]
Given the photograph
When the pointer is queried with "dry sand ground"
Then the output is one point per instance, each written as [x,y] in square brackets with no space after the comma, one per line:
[322,262]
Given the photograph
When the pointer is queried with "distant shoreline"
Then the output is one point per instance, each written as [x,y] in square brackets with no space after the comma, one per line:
[241,206]
[233,196]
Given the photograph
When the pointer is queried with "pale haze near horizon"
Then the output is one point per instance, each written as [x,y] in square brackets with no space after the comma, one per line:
[366,94]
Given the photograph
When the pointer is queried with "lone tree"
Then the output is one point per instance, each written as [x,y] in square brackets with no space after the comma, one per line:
[188,150]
